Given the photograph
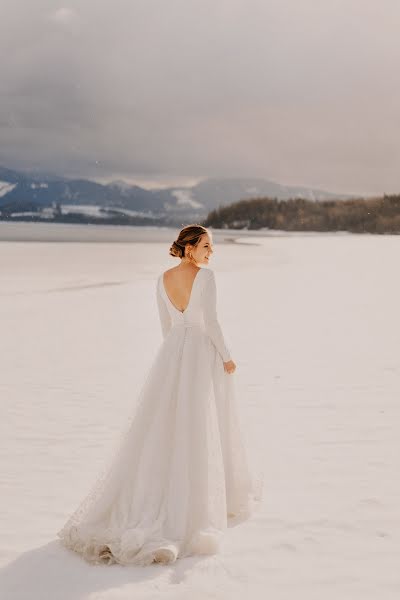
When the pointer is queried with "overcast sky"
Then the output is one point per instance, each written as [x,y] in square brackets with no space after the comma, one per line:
[170,91]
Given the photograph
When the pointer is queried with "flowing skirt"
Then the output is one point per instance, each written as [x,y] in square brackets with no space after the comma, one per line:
[180,471]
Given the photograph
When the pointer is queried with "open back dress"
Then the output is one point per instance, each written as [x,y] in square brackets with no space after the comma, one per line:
[181,470]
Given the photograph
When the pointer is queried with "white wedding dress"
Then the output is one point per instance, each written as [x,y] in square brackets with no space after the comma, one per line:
[181,470]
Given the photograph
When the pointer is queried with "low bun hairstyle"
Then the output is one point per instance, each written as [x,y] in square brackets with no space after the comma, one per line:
[190,234]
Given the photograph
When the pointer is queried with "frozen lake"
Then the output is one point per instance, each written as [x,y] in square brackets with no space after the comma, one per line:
[313,323]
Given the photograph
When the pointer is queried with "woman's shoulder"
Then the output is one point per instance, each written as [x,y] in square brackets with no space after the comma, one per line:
[209,273]
[208,277]
[166,272]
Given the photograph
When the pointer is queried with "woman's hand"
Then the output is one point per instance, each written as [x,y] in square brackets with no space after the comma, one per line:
[230,366]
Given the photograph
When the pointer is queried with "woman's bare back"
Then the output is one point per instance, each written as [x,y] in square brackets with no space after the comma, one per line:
[178,284]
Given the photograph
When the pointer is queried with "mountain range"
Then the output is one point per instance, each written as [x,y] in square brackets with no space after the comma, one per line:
[30,194]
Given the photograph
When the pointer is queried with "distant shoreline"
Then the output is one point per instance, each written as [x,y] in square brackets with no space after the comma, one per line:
[89,233]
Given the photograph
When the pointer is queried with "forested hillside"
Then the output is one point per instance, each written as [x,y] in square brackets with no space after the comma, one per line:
[373,215]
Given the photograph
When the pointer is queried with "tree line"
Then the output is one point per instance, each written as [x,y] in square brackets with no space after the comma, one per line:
[358,215]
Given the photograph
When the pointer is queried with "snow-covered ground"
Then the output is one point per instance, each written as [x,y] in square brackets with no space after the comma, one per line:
[314,325]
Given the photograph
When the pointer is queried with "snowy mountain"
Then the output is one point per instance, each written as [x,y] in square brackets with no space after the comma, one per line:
[25,192]
[215,192]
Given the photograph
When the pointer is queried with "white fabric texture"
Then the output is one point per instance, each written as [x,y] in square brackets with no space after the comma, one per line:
[181,470]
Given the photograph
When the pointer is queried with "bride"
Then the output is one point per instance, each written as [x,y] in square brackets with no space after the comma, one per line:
[181,472]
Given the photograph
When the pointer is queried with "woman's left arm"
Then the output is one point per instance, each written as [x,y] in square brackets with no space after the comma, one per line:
[165,318]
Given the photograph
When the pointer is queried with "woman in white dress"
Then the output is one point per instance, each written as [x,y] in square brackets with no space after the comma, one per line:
[181,471]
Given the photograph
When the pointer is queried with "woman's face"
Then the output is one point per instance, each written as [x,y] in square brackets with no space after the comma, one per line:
[202,252]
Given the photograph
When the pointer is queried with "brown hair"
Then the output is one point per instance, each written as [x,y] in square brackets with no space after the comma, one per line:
[190,234]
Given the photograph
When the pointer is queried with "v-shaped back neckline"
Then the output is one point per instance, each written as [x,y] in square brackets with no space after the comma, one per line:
[190,297]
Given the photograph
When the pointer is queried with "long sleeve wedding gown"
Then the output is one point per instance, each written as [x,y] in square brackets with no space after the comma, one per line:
[181,471]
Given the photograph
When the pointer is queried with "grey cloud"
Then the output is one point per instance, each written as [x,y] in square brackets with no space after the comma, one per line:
[301,92]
